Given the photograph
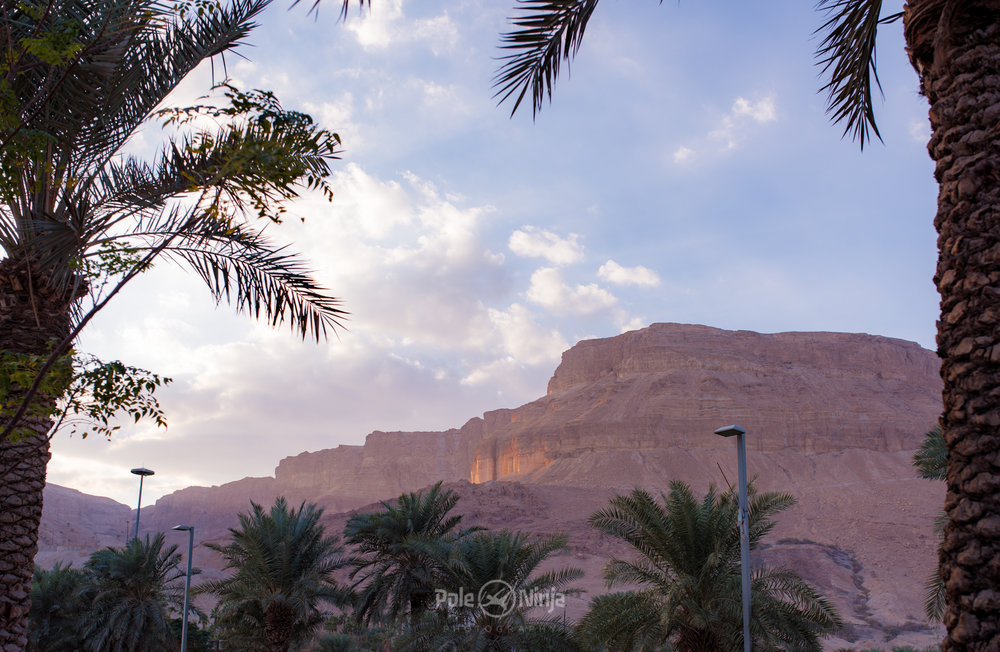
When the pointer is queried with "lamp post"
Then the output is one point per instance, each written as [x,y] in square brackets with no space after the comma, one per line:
[742,520]
[142,473]
[187,584]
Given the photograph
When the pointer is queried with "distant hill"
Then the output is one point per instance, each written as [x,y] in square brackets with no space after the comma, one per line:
[832,418]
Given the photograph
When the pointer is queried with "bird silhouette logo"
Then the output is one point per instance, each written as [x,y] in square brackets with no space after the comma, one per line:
[497,598]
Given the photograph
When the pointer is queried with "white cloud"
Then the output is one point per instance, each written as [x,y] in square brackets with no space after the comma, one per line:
[338,116]
[734,124]
[633,324]
[439,32]
[638,275]
[410,261]
[682,154]
[524,339]
[532,242]
[384,24]
[443,101]
[549,290]
[760,111]
[920,130]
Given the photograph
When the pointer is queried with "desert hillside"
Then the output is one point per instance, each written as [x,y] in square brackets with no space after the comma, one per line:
[832,418]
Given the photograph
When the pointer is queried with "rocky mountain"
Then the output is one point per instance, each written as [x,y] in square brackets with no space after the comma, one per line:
[832,418]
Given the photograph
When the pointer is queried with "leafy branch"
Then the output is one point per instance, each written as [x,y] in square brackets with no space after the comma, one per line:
[94,394]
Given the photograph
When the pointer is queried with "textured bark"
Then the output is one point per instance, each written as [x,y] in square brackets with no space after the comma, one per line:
[31,316]
[279,625]
[955,48]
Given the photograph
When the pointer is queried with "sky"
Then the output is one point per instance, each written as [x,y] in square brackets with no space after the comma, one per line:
[685,172]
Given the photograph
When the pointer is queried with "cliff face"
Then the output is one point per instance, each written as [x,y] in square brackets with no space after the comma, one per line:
[625,400]
[803,391]
[388,464]
[75,524]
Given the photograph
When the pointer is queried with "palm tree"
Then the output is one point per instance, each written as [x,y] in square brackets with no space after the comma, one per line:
[688,576]
[400,553]
[283,565]
[954,46]
[78,219]
[129,591]
[499,569]
[56,608]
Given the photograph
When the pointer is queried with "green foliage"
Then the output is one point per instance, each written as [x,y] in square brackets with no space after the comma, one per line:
[196,7]
[56,609]
[687,569]
[400,552]
[18,372]
[35,35]
[129,591]
[263,176]
[283,567]
[931,459]
[93,393]
[199,637]
[102,391]
[338,643]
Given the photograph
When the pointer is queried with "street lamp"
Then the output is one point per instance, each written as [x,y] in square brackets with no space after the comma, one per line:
[187,584]
[742,519]
[142,473]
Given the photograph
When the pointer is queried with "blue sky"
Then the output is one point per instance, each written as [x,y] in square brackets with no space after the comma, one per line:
[686,172]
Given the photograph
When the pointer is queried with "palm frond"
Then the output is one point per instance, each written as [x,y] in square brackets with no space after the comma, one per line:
[639,521]
[344,7]
[157,58]
[762,507]
[934,592]
[241,267]
[846,56]
[780,585]
[545,33]
[931,459]
[249,167]
[623,621]
[934,596]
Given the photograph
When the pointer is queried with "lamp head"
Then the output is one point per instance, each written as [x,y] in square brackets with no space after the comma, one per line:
[183,528]
[142,471]
[729,431]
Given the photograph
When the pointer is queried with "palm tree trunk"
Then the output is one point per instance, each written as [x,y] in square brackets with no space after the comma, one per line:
[22,478]
[955,48]
[32,315]
[279,626]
